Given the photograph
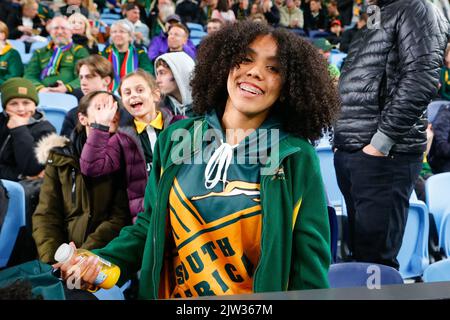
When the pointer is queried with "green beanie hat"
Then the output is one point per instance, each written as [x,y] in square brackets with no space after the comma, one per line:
[18,88]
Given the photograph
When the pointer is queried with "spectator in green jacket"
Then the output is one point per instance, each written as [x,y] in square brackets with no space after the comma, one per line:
[237,221]
[52,68]
[10,62]
[123,55]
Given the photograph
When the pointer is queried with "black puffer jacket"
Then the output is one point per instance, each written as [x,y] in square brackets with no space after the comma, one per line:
[389,77]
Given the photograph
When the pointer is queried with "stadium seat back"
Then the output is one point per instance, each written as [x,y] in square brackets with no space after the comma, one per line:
[195,26]
[437,198]
[326,157]
[55,116]
[438,271]
[360,274]
[60,100]
[14,220]
[413,255]
[433,108]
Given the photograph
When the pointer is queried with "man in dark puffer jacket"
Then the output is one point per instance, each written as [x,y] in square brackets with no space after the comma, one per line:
[389,77]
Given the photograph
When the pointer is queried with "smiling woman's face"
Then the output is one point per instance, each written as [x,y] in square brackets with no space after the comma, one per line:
[255,85]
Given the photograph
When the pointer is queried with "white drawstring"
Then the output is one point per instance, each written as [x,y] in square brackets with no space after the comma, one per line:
[220,160]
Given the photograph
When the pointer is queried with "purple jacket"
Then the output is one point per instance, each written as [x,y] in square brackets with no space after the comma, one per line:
[102,155]
[159,46]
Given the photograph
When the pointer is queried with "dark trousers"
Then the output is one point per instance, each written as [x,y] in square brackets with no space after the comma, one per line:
[376,192]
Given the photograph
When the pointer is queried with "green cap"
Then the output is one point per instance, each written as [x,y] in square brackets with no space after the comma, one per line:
[322,43]
[18,88]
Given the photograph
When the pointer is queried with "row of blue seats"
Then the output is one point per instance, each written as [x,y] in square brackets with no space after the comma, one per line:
[357,274]
[340,274]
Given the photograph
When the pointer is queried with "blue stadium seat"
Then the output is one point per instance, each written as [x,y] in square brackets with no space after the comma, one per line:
[196,41]
[329,175]
[55,116]
[315,34]
[19,45]
[14,220]
[299,32]
[436,194]
[110,16]
[433,109]
[37,45]
[109,21]
[444,241]
[195,26]
[101,47]
[356,274]
[115,293]
[196,36]
[413,256]
[108,10]
[54,99]
[438,271]
[337,58]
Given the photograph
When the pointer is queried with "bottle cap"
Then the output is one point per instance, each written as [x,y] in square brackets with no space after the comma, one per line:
[64,252]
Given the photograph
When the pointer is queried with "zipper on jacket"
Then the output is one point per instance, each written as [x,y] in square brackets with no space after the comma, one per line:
[73,187]
[5,143]
[158,205]
[263,183]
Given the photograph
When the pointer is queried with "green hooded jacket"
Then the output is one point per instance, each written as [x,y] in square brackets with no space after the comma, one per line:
[295,240]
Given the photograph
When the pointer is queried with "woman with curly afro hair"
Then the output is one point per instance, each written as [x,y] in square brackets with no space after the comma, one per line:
[235,200]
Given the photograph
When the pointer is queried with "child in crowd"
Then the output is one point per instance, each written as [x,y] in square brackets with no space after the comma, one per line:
[132,145]
[89,211]
[108,149]
[10,61]
[21,127]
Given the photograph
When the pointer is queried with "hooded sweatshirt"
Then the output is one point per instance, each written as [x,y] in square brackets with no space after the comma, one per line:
[220,217]
[182,67]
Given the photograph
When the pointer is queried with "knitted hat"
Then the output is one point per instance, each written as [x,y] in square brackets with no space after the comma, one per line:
[18,88]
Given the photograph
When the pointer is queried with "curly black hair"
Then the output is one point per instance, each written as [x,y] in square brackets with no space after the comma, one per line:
[309,101]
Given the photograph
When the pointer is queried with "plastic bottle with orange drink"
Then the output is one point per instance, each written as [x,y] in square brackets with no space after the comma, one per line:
[109,273]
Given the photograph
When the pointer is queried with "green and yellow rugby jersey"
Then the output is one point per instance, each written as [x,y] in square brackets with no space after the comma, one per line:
[217,232]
